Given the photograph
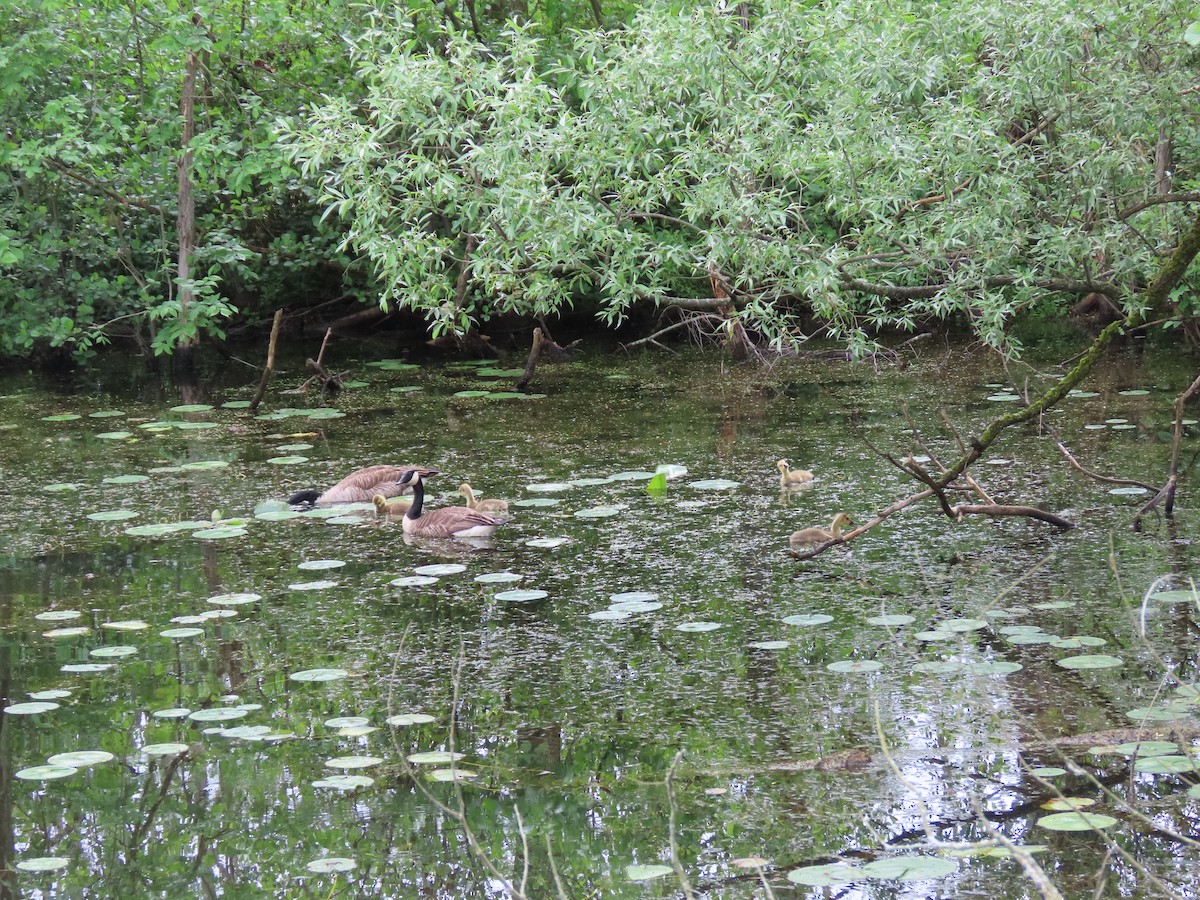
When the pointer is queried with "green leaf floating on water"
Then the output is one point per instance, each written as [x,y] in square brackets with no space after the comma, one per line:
[498,578]
[30,709]
[547,543]
[126,479]
[168,749]
[909,868]
[46,773]
[434,757]
[997,667]
[825,876]
[344,782]
[235,599]
[177,634]
[855,666]
[62,486]
[353,762]
[441,569]
[413,581]
[346,721]
[80,758]
[318,565]
[1175,597]
[808,620]
[112,515]
[113,652]
[114,435]
[1076,821]
[445,775]
[217,714]
[223,531]
[404,719]
[647,872]
[43,864]
[62,417]
[332,865]
[698,627]
[58,615]
[287,460]
[894,619]
[1091,661]
[192,407]
[53,694]
[521,596]
[319,675]
[312,585]
[769,645]
[1166,765]
[610,615]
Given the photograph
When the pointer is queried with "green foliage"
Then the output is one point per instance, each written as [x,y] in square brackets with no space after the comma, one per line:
[865,166]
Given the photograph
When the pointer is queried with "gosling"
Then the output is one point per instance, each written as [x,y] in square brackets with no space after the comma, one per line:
[789,477]
[491,505]
[820,535]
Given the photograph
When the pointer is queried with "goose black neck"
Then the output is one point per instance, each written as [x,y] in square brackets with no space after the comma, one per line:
[418,489]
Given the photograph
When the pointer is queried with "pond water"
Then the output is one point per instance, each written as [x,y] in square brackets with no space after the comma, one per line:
[230,674]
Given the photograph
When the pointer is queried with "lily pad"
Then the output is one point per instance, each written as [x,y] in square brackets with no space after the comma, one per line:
[73,631]
[287,460]
[58,615]
[633,596]
[217,714]
[46,773]
[434,757]
[769,645]
[440,569]
[825,876]
[498,578]
[1076,821]
[1128,491]
[30,709]
[220,532]
[547,543]
[1047,771]
[1166,765]
[192,408]
[176,712]
[962,625]
[116,652]
[235,599]
[318,565]
[909,868]
[86,667]
[997,667]
[636,606]
[344,782]
[1185,596]
[1068,804]
[312,585]
[80,758]
[647,873]
[126,625]
[106,414]
[892,620]
[413,581]
[698,627]
[62,486]
[114,435]
[112,515]
[522,596]
[600,512]
[404,719]
[53,694]
[452,775]
[332,864]
[353,762]
[806,620]
[1093,661]
[62,417]
[319,675]
[43,864]
[610,615]
[178,634]
[167,749]
[855,666]
[347,721]
[714,484]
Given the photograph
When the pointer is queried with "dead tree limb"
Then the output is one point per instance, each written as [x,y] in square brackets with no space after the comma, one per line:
[1166,494]
[270,367]
[997,509]
[535,350]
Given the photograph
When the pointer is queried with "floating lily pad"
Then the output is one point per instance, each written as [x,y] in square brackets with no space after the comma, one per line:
[176,712]
[46,773]
[192,408]
[806,620]
[1068,804]
[178,634]
[235,599]
[1082,395]
[471,394]
[855,666]
[452,775]
[434,757]
[1156,714]
[672,471]
[43,864]
[1185,596]
[159,530]
[344,782]
[635,475]
[521,596]
[217,714]
[202,465]
[58,615]
[167,749]
[769,645]
[236,404]
[106,414]
[74,631]
[332,864]
[441,569]
[909,868]
[62,417]
[30,709]
[1047,771]
[277,515]
[287,460]
[647,873]
[86,667]
[537,501]
[62,486]
[1137,392]
[498,578]
[117,652]
[352,762]
[220,532]
[714,484]
[936,636]
[1076,821]
[589,482]
[962,625]
[892,620]
[345,520]
[53,694]
[549,487]
[114,435]
[610,615]
[112,515]
[126,479]
[1094,661]
[312,585]
[347,721]
[1166,765]
[998,667]
[1128,491]
[1004,397]
[319,675]
[80,758]
[404,719]
[1032,638]
[547,543]
[633,596]
[413,581]
[1146,748]
[825,876]
[636,606]
[321,564]
[698,627]
[126,625]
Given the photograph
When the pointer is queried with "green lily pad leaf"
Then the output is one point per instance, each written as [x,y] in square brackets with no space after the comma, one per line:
[347,721]
[217,714]
[961,625]
[1081,395]
[637,475]
[938,667]
[159,530]
[521,596]
[547,543]
[195,426]
[192,408]
[178,712]
[498,578]
[1047,771]
[1093,661]
[113,652]
[647,873]
[80,758]
[1166,765]
[441,569]
[43,864]
[452,775]
[1138,392]
[807,620]
[30,709]
[126,479]
[537,501]
[319,675]
[1033,638]
[246,732]
[1076,821]
[236,404]
[221,531]
[671,470]
[62,417]
[344,782]
[636,606]
[406,389]
[404,719]
[492,372]
[74,631]
[997,667]
[657,484]
[1004,397]
[1175,597]
[86,667]
[600,511]
[1019,629]
[53,694]
[332,865]
[589,482]
[168,749]
[825,876]
[112,515]
[1129,490]
[46,773]
[610,615]
[62,486]
[769,645]
[58,615]
[114,435]
[107,414]
[855,666]
[345,520]
[395,365]
[893,620]
[936,636]
[434,757]
[287,460]
[549,487]
[909,868]
[413,581]
[126,625]
[471,394]
[202,465]
[321,564]
[633,596]
[277,515]
[178,634]
[714,484]
[352,762]
[1068,804]
[312,585]
[236,599]
[698,627]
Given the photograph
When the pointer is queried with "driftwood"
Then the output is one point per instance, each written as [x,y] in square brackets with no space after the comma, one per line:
[329,381]
[1166,494]
[543,344]
[270,367]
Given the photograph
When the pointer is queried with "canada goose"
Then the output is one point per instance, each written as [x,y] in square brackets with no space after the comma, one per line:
[390,509]
[490,505]
[450,521]
[362,485]
[820,535]
[789,477]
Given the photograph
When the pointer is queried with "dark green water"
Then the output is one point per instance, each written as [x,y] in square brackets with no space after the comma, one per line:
[567,721]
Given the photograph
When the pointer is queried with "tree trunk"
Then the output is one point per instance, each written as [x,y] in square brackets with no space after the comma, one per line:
[185,222]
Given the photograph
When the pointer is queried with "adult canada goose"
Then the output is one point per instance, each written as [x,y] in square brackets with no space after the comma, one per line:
[490,505]
[449,521]
[789,477]
[391,509]
[362,485]
[820,535]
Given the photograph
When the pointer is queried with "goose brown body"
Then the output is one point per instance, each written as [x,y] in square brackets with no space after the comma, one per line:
[820,535]
[449,521]
[362,485]
[789,477]
[490,505]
